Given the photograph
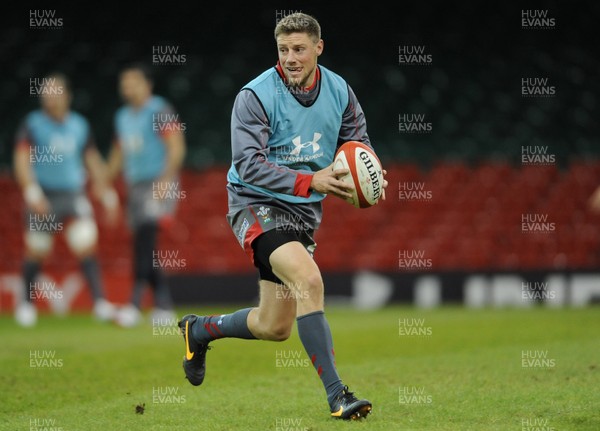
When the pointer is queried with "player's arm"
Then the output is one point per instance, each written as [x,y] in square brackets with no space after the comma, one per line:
[354,123]
[115,160]
[24,175]
[175,146]
[354,127]
[99,177]
[249,136]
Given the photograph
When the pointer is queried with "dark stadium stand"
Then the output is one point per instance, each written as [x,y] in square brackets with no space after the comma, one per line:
[471,91]
[475,188]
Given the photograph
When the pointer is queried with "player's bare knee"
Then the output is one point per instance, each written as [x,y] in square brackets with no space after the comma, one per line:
[38,244]
[310,285]
[82,235]
[273,327]
[279,332]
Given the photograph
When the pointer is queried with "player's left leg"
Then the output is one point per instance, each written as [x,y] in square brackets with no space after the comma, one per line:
[293,264]
[82,238]
[145,239]
[145,215]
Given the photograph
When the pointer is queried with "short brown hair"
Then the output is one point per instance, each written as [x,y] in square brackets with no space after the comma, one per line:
[299,23]
[141,67]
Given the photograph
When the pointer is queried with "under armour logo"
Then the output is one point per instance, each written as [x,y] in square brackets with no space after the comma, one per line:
[298,145]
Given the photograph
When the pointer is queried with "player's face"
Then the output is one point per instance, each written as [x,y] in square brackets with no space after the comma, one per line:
[55,99]
[134,87]
[298,54]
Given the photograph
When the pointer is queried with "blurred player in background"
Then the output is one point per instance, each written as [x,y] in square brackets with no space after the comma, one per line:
[54,154]
[285,129]
[150,148]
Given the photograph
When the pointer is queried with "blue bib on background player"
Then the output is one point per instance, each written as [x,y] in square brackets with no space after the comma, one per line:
[302,138]
[143,148]
[56,150]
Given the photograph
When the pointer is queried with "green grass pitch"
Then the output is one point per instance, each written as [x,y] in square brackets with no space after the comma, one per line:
[443,369]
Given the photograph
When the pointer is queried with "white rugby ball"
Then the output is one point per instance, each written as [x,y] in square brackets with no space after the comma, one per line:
[366,172]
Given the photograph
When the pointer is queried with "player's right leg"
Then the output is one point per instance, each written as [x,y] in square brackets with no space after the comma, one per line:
[272,320]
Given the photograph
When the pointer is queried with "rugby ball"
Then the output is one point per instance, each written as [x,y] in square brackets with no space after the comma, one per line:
[366,172]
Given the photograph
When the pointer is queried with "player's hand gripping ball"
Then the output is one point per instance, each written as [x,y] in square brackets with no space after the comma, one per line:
[366,173]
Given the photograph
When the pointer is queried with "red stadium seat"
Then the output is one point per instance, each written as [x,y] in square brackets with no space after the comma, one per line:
[471,222]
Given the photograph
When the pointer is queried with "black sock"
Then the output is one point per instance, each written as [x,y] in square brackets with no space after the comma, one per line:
[91,271]
[162,294]
[30,270]
[137,292]
[315,335]
[144,241]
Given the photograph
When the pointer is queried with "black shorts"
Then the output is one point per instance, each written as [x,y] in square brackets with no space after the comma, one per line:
[268,242]
[260,229]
